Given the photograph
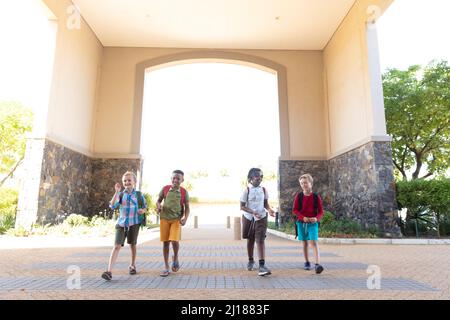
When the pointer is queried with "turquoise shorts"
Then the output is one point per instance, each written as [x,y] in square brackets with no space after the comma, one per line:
[307,231]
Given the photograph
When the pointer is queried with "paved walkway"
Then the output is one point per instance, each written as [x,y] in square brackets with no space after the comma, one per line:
[213,267]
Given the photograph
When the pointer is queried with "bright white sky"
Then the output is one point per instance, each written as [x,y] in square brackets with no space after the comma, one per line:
[212,126]
[209,117]
[414,32]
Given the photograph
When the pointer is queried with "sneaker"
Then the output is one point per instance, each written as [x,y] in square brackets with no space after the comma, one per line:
[318,268]
[250,265]
[264,271]
[307,266]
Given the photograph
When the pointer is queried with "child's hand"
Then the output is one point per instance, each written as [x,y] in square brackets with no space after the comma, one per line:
[158,207]
[305,220]
[272,213]
[313,220]
[118,187]
[257,215]
[141,211]
[183,221]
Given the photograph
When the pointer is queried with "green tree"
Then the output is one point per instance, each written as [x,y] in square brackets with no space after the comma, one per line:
[417,103]
[15,122]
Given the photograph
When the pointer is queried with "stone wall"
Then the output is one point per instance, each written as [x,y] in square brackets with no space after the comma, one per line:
[362,186]
[288,173]
[358,184]
[65,182]
[105,174]
[74,183]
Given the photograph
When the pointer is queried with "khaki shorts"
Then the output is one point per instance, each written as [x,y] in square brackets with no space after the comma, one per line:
[255,229]
[131,234]
[169,230]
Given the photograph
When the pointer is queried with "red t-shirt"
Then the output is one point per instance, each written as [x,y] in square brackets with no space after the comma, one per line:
[308,207]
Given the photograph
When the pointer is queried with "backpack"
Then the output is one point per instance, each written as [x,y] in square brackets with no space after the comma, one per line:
[299,195]
[140,199]
[183,196]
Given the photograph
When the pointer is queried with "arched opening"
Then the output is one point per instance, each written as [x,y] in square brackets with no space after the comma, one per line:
[214,119]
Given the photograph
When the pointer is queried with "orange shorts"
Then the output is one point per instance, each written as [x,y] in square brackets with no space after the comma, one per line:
[169,230]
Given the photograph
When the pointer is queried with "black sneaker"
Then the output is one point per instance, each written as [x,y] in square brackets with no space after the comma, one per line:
[250,265]
[307,266]
[264,271]
[318,268]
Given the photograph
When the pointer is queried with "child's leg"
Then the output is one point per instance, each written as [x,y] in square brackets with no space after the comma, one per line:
[305,250]
[113,256]
[261,249]
[133,254]
[315,247]
[166,248]
[176,247]
[250,248]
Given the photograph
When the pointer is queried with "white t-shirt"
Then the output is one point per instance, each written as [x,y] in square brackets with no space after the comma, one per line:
[255,201]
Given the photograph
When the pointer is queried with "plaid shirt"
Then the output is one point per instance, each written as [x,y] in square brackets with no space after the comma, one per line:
[128,209]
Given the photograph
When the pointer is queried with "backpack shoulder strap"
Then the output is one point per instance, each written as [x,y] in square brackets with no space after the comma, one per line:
[300,201]
[140,199]
[183,195]
[248,192]
[120,197]
[316,203]
[166,190]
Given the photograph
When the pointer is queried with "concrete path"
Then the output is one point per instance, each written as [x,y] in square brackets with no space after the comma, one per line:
[213,267]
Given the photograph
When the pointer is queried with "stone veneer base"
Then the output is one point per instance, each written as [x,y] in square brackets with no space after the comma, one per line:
[357,184]
[75,183]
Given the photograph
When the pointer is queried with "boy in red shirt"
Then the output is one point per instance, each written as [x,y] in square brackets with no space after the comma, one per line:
[309,210]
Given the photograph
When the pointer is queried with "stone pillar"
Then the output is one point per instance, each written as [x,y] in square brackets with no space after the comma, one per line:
[357,184]
[27,207]
[61,181]
[362,187]
[65,182]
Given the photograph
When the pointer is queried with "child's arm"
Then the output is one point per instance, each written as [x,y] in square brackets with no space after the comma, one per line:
[187,211]
[267,206]
[245,208]
[158,202]
[266,203]
[114,203]
[295,211]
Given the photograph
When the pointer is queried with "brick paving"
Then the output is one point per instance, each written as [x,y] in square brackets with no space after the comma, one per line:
[213,267]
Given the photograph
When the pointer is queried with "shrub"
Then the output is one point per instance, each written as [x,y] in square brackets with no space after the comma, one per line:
[344,227]
[74,220]
[428,206]
[8,206]
[97,221]
[8,197]
[7,218]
